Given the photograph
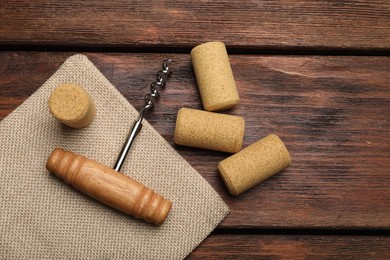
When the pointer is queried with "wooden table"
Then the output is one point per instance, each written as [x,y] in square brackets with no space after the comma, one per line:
[317,73]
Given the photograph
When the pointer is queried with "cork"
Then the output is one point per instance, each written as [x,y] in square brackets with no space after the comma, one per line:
[72,106]
[254,164]
[214,76]
[208,130]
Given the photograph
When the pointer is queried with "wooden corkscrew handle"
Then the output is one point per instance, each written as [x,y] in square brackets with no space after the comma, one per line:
[108,186]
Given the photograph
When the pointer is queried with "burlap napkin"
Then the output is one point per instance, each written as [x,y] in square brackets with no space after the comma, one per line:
[44,218]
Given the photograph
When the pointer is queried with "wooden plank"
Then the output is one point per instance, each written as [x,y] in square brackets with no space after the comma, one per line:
[292,247]
[332,112]
[289,25]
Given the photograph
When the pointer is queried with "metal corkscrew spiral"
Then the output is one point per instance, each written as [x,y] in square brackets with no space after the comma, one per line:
[150,99]
[161,78]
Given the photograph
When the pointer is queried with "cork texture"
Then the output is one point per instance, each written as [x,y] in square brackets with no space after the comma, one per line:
[254,164]
[208,130]
[72,105]
[214,76]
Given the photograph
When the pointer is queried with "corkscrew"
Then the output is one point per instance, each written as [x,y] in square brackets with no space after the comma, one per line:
[150,98]
[108,185]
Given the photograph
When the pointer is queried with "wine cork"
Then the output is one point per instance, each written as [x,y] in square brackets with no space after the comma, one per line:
[208,130]
[214,76]
[72,106]
[254,164]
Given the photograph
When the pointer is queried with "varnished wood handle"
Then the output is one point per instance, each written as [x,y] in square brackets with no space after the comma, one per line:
[108,186]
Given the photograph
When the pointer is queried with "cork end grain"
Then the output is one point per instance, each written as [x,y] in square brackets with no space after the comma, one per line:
[254,164]
[72,106]
[230,184]
[281,148]
[222,105]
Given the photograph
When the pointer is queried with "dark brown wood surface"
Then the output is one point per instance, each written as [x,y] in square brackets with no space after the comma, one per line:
[317,25]
[292,247]
[317,73]
[332,112]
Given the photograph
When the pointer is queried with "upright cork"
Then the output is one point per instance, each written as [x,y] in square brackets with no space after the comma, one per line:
[214,76]
[72,106]
[109,186]
[254,164]
[209,130]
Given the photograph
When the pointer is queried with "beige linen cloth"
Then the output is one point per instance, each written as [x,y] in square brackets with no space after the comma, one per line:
[44,218]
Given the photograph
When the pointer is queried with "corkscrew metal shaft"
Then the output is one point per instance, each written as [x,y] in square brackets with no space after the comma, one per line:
[149,103]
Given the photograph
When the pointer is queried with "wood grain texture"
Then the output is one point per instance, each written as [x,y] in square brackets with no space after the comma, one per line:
[109,186]
[318,25]
[333,113]
[292,247]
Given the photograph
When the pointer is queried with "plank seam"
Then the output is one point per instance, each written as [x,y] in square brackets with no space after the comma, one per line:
[293,51]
